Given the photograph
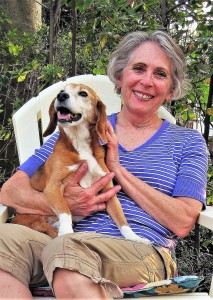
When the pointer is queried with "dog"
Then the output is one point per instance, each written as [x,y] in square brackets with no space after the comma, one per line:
[81,118]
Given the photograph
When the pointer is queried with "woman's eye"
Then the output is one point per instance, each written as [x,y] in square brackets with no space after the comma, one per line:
[138,68]
[83,94]
[161,74]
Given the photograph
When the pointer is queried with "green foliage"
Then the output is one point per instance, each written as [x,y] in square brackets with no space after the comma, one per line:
[50,73]
[189,261]
[102,25]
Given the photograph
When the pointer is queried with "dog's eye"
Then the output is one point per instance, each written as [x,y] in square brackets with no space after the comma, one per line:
[83,94]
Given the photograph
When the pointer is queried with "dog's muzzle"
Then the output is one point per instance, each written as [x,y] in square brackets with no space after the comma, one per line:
[65,115]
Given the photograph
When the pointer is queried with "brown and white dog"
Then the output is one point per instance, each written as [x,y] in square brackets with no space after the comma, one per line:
[81,117]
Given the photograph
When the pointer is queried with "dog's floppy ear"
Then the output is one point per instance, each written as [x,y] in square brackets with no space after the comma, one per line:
[101,121]
[53,120]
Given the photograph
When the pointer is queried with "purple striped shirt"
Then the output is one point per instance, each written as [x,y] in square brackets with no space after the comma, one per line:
[173,161]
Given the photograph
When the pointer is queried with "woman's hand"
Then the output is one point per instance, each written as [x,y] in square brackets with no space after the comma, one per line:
[112,156]
[85,201]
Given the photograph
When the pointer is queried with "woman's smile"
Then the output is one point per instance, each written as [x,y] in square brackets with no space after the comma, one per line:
[142,96]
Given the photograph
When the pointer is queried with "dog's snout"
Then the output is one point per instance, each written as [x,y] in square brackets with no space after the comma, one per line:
[62,96]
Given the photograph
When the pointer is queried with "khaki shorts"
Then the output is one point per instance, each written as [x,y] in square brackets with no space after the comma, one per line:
[32,257]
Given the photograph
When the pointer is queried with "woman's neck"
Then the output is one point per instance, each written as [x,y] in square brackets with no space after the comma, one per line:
[133,133]
[124,119]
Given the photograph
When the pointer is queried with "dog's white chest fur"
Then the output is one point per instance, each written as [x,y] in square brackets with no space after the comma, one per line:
[80,137]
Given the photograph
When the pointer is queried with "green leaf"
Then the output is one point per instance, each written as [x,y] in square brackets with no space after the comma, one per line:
[35,64]
[7,135]
[14,49]
[184,116]
[22,77]
[145,7]
[103,41]
[192,115]
[209,111]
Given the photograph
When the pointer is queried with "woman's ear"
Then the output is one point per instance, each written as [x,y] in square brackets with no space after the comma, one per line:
[119,83]
[169,96]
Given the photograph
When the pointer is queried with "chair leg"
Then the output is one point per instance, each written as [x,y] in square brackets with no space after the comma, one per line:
[197,238]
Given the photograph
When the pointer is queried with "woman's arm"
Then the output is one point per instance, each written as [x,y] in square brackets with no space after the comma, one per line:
[18,194]
[177,214]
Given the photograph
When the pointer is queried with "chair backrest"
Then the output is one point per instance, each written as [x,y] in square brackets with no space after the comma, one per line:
[26,119]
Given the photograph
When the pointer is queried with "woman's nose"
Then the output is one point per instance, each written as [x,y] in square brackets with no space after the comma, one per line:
[147,79]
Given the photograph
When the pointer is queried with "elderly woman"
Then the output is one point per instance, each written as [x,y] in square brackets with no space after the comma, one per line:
[160,170]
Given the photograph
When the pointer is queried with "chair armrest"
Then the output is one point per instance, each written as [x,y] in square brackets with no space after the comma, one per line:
[3,213]
[206,218]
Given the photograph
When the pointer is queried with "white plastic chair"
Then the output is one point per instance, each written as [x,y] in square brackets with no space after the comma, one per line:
[26,127]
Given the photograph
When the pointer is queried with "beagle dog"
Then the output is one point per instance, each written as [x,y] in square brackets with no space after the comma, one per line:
[81,118]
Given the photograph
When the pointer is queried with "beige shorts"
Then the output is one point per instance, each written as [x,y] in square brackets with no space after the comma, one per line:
[32,257]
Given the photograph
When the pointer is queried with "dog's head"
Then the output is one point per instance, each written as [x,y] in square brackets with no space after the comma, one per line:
[76,104]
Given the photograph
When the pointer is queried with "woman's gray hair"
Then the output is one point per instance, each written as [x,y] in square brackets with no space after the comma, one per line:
[121,57]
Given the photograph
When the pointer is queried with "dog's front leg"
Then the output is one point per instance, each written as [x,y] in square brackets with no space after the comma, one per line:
[54,195]
[115,210]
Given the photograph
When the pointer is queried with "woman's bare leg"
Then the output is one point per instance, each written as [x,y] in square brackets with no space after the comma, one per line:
[12,288]
[72,285]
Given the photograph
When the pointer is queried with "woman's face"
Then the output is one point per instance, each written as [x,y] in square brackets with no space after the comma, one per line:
[146,81]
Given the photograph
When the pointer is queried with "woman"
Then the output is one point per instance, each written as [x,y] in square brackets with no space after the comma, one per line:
[160,168]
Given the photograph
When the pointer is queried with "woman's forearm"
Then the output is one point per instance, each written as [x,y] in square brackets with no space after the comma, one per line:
[18,194]
[177,214]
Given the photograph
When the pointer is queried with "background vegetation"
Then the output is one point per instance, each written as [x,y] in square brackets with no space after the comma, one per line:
[43,42]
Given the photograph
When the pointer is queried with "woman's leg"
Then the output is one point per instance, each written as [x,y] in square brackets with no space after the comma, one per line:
[110,263]
[12,288]
[64,290]
[20,260]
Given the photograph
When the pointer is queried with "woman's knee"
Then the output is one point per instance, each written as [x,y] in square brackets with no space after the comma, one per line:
[69,252]
[63,282]
[72,284]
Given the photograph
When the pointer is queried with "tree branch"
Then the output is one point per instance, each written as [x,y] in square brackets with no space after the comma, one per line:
[175,6]
[74,35]
[55,11]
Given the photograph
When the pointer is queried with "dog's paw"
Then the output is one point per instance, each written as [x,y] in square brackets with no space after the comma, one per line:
[63,231]
[65,224]
[144,241]
[128,234]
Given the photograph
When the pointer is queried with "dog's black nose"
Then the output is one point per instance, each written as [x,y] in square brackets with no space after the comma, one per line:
[62,96]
